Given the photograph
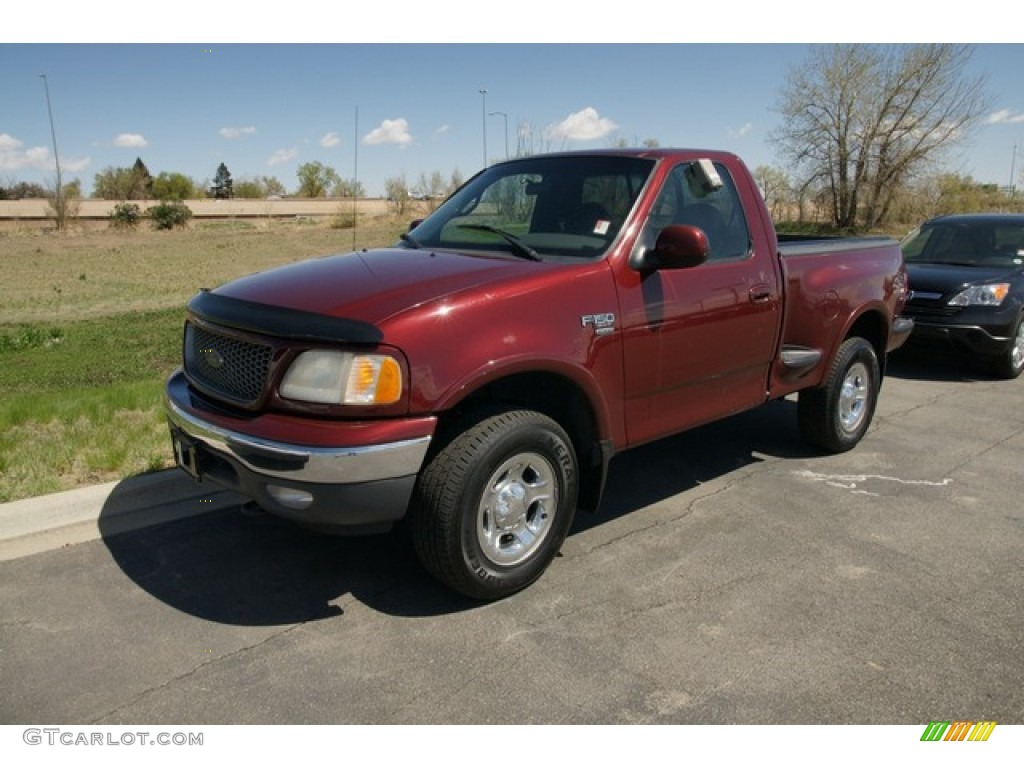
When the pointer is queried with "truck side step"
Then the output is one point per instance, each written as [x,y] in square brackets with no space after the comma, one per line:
[800,358]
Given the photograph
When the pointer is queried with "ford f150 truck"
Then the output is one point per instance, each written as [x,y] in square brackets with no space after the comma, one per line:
[477,378]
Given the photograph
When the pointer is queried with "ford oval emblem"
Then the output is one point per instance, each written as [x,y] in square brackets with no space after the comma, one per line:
[213,358]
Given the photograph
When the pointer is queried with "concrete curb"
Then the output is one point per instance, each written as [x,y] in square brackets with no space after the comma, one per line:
[31,526]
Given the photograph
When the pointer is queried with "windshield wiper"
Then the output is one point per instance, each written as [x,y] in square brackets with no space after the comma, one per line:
[518,245]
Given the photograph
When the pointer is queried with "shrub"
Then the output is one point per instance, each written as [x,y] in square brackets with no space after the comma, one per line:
[125,216]
[343,218]
[169,215]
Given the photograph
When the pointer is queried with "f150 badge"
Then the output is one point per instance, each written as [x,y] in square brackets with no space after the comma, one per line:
[602,324]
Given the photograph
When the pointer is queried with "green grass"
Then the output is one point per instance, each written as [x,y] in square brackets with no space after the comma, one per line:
[82,401]
[90,328]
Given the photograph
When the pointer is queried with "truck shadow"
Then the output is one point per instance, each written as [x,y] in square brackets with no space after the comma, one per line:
[241,567]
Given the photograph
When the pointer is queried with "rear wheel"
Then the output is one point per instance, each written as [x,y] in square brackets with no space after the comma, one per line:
[493,507]
[837,415]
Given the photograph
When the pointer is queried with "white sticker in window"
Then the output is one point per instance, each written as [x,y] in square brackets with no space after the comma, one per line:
[601,227]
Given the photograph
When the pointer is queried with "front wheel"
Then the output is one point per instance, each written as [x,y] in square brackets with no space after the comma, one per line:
[492,508]
[837,415]
[1010,364]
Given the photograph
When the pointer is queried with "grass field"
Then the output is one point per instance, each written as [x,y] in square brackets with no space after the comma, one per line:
[90,326]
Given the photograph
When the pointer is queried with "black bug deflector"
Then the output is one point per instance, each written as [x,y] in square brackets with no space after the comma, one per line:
[280,322]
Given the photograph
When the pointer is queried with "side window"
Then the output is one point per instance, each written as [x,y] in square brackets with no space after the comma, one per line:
[684,200]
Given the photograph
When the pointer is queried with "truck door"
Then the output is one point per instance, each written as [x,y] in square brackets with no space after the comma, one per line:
[699,341]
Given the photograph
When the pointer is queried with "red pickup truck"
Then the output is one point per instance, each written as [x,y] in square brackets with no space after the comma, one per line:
[477,378]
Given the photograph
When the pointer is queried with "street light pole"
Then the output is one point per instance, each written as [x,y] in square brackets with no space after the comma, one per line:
[483,120]
[506,129]
[56,157]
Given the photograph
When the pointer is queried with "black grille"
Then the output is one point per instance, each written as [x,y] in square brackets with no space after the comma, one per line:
[929,308]
[227,366]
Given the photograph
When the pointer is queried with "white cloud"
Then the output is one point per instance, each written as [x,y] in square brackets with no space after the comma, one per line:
[585,125]
[390,132]
[229,132]
[744,130]
[76,164]
[1004,116]
[330,140]
[133,140]
[14,158]
[282,156]
[442,130]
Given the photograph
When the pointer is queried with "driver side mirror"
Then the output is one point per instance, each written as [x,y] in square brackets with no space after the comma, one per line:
[679,246]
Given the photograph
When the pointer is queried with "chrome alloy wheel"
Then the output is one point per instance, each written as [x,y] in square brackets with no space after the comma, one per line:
[853,397]
[1017,351]
[517,510]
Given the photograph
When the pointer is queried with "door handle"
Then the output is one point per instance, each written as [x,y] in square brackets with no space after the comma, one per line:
[760,294]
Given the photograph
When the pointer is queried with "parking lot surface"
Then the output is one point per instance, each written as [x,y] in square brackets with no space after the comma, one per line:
[731,576]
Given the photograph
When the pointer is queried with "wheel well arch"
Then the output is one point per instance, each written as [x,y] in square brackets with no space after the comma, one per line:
[873,328]
[557,397]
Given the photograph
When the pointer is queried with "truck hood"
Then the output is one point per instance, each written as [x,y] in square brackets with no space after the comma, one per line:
[371,286]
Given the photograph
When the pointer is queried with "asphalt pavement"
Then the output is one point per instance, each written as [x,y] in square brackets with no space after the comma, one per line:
[731,576]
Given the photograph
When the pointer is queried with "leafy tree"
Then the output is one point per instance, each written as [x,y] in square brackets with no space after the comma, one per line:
[255,189]
[273,186]
[349,188]
[22,190]
[142,181]
[223,187]
[133,183]
[173,186]
[112,184]
[249,189]
[861,122]
[315,179]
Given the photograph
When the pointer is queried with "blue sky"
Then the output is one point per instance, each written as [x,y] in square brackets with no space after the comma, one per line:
[397,107]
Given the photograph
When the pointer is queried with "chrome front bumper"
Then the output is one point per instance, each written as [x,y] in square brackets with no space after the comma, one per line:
[337,487]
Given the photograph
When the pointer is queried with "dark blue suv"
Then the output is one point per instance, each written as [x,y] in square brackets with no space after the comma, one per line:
[967,286]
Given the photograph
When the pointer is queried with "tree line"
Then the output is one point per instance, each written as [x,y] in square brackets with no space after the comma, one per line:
[864,134]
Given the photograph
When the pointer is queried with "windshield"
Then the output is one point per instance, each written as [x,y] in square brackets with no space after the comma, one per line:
[568,206]
[983,243]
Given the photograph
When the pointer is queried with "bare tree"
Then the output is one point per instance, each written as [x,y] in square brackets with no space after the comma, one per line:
[863,121]
[776,190]
[431,189]
[397,190]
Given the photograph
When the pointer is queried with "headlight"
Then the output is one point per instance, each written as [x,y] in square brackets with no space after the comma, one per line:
[981,295]
[343,378]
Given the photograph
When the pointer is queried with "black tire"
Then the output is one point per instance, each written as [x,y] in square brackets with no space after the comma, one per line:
[1010,364]
[835,416]
[493,507]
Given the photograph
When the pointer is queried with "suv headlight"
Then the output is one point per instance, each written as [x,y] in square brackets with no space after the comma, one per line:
[990,295]
[343,378]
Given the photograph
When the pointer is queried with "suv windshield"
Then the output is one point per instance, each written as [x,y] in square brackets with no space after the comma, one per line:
[556,206]
[983,242]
